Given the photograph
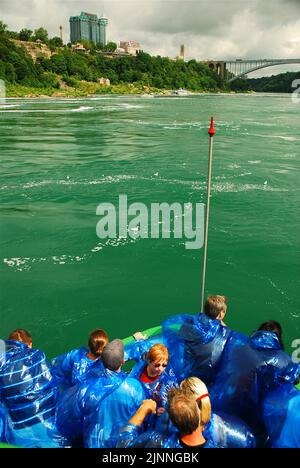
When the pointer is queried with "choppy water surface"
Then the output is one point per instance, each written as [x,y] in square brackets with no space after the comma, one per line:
[61,158]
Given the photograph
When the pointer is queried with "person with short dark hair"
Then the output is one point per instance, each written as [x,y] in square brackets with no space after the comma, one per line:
[275,327]
[27,390]
[197,342]
[92,409]
[72,368]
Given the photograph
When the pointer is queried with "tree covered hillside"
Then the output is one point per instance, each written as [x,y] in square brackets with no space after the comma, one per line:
[17,66]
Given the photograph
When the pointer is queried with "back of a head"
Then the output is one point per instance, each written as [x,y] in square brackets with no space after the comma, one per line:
[113,355]
[274,327]
[97,340]
[198,389]
[214,306]
[183,411]
[23,336]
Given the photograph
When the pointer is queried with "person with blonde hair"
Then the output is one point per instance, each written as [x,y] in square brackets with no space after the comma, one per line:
[199,390]
[156,375]
[223,430]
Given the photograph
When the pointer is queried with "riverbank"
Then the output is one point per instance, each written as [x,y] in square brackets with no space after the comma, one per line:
[87,89]
[82,89]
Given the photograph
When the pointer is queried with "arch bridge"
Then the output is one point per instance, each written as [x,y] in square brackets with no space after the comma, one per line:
[233,69]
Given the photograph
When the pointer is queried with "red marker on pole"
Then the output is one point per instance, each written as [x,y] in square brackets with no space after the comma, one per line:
[211,133]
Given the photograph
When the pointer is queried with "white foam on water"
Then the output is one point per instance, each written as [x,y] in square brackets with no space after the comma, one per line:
[281,171]
[82,109]
[233,166]
[281,137]
[7,106]
[236,188]
[256,161]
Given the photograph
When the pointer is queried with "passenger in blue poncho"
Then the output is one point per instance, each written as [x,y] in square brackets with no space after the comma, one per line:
[196,343]
[117,404]
[71,368]
[5,426]
[184,414]
[87,412]
[281,414]
[156,375]
[224,430]
[27,390]
[250,367]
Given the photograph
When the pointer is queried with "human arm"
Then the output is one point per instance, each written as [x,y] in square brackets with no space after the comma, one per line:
[147,407]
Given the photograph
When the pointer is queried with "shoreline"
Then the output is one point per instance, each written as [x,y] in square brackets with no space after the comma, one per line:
[89,89]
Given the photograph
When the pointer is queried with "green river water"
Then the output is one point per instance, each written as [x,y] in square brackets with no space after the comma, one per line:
[61,158]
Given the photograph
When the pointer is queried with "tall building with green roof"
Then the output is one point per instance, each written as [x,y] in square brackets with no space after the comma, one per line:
[88,27]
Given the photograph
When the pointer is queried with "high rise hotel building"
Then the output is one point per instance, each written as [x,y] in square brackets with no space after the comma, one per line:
[88,27]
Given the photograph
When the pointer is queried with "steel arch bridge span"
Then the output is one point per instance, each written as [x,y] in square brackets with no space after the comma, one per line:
[240,68]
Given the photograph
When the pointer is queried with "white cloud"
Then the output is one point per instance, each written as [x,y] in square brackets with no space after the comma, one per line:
[221,29]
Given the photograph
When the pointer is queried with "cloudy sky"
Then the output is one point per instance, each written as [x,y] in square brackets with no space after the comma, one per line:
[215,29]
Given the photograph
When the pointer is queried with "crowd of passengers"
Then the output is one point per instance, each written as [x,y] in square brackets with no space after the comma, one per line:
[196,385]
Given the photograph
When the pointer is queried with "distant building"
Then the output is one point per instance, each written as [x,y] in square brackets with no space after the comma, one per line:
[78,47]
[182,52]
[88,27]
[130,47]
[104,81]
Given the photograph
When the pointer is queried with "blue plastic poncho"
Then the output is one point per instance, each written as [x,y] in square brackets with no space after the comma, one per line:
[28,392]
[196,345]
[159,389]
[132,436]
[102,425]
[223,431]
[227,431]
[137,349]
[72,368]
[250,367]
[77,403]
[281,414]
[5,426]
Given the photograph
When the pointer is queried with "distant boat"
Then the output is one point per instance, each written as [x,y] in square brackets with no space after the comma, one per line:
[181,92]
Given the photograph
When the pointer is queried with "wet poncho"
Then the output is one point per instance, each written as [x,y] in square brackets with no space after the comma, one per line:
[250,367]
[28,392]
[137,349]
[132,436]
[223,431]
[71,408]
[102,424]
[159,389]
[229,432]
[71,368]
[196,344]
[5,428]
[281,414]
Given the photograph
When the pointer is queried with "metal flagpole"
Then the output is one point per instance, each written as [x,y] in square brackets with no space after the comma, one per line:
[211,132]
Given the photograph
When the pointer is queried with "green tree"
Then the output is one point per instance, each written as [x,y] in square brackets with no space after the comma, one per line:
[41,34]
[2,27]
[25,35]
[110,47]
[55,43]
